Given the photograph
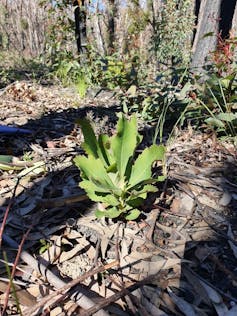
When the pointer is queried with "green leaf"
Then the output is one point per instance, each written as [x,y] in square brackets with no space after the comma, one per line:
[123,144]
[90,144]
[110,199]
[225,82]
[6,163]
[92,169]
[135,202]
[140,195]
[113,212]
[133,214]
[148,188]
[215,122]
[104,154]
[161,178]
[100,214]
[112,168]
[227,117]
[132,91]
[6,158]
[95,195]
[208,34]
[141,170]
[90,186]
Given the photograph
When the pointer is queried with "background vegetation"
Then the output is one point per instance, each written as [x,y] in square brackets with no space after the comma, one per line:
[170,60]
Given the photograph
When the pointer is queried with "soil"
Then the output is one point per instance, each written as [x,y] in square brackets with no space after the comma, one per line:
[178,258]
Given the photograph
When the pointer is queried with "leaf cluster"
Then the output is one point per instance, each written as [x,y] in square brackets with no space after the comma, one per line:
[110,173]
[173,31]
[216,95]
[217,98]
[112,71]
[71,73]
[161,104]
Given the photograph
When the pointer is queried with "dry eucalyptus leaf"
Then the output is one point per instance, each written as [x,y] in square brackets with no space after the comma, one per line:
[53,252]
[183,305]
[66,255]
[232,311]
[212,294]
[232,245]
[225,199]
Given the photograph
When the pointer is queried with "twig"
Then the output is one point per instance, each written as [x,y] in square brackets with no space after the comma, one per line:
[154,216]
[132,297]
[97,249]
[117,256]
[14,270]
[5,220]
[113,298]
[7,212]
[70,285]
[82,300]
[58,202]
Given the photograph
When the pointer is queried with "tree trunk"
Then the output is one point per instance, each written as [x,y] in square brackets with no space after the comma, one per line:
[80,26]
[234,27]
[208,23]
[98,27]
[112,11]
[234,22]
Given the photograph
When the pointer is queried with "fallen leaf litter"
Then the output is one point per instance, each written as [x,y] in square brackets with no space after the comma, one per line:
[184,247]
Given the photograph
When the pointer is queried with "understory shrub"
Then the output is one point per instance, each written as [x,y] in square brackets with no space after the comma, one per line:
[111,172]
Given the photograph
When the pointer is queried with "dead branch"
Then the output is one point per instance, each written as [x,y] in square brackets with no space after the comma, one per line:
[113,298]
[82,300]
[61,201]
[10,284]
[68,286]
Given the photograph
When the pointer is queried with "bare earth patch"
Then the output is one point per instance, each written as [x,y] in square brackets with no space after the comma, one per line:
[178,259]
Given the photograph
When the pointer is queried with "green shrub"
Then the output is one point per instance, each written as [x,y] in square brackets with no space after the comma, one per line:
[160,103]
[216,95]
[112,175]
[71,73]
[173,32]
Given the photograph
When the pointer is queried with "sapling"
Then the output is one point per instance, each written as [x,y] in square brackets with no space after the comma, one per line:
[112,174]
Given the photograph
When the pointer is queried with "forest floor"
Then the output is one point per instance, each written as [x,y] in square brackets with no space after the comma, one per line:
[179,258]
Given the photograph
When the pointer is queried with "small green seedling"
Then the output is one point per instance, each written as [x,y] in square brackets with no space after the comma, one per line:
[110,173]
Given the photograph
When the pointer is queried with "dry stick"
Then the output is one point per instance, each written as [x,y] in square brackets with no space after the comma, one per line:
[113,298]
[4,221]
[58,202]
[133,298]
[57,282]
[14,269]
[70,285]
[7,212]
[154,216]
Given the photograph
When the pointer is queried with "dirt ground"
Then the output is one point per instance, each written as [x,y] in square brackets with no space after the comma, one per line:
[179,258]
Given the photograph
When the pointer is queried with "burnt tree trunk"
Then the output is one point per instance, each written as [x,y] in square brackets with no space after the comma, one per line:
[217,17]
[80,25]
[112,11]
[234,26]
[208,23]
[226,17]
[234,22]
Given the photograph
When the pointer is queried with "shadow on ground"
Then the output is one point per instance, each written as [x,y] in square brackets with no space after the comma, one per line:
[210,260]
